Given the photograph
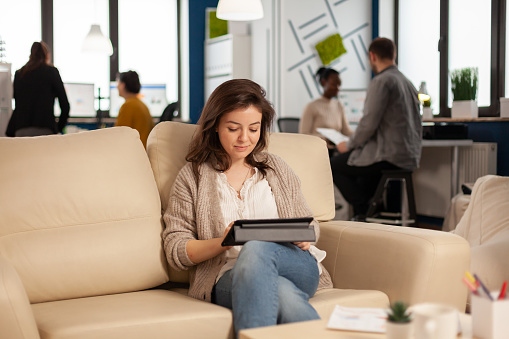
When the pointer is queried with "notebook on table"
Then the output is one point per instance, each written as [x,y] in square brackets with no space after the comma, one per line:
[275,230]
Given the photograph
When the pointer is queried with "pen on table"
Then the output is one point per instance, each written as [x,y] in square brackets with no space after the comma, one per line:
[471,278]
[471,286]
[483,287]
[501,296]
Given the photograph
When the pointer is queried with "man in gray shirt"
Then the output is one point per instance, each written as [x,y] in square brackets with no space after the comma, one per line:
[388,135]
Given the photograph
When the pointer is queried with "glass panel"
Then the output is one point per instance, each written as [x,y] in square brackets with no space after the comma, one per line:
[470,42]
[20,27]
[507,54]
[72,22]
[148,43]
[418,57]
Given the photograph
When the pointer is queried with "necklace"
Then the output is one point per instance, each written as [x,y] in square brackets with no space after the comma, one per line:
[247,174]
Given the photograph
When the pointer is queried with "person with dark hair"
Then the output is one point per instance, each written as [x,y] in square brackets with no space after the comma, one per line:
[36,85]
[133,112]
[388,135]
[326,111]
[229,176]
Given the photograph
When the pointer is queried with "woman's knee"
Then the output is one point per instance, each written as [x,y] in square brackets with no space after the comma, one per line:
[257,251]
[293,303]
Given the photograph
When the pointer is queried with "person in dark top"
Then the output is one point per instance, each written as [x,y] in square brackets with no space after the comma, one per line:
[36,85]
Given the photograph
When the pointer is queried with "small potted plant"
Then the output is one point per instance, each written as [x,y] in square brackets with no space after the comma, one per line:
[427,113]
[464,91]
[399,321]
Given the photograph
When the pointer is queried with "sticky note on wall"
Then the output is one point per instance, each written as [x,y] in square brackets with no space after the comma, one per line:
[330,49]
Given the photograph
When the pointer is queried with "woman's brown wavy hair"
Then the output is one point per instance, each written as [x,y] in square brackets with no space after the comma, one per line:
[229,96]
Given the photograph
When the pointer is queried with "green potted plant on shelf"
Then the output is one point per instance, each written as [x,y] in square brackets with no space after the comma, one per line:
[464,84]
[399,321]
[427,113]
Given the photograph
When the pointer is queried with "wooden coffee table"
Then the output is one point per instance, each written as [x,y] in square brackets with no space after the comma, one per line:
[318,329]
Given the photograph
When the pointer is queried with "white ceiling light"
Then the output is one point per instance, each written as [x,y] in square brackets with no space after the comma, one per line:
[95,41]
[239,10]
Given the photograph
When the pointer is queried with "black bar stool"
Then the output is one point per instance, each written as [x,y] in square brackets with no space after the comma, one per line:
[393,218]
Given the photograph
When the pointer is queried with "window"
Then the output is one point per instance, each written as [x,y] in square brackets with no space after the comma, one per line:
[470,44]
[418,35]
[20,27]
[148,43]
[469,33]
[71,23]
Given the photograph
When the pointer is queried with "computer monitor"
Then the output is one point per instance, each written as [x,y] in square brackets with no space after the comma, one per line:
[81,99]
[353,100]
[153,95]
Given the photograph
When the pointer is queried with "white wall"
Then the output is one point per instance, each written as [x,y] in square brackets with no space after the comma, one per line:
[284,56]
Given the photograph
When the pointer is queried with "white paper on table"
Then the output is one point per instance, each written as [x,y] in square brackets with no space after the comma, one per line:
[332,135]
[358,319]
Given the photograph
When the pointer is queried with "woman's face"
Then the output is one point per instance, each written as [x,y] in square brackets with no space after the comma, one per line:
[239,131]
[331,86]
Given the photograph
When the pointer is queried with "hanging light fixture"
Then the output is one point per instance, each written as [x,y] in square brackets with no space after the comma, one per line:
[95,41]
[239,10]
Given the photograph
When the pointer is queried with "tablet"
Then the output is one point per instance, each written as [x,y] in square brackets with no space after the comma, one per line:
[275,230]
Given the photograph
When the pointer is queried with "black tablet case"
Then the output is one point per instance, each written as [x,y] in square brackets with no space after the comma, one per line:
[275,230]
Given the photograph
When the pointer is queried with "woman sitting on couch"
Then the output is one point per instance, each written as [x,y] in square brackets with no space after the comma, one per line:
[229,177]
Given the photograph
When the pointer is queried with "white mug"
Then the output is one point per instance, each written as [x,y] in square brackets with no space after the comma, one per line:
[435,321]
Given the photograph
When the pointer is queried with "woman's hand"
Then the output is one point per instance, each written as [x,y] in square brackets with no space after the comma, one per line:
[303,245]
[342,148]
[224,236]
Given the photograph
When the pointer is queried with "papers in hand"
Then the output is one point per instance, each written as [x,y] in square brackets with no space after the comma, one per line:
[332,135]
[358,319]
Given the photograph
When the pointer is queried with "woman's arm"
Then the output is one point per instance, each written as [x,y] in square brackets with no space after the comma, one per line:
[62,101]
[202,250]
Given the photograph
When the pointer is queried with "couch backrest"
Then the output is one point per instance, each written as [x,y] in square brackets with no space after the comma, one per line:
[80,214]
[486,215]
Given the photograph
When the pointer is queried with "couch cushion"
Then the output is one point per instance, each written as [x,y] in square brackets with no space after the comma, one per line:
[148,314]
[80,214]
[307,155]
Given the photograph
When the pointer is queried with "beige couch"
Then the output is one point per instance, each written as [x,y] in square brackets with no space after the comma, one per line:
[485,225]
[81,254]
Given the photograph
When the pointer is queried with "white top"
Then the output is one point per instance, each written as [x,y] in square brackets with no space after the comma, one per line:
[256,202]
[324,113]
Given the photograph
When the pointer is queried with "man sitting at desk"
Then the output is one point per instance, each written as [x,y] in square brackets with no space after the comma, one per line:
[133,113]
[388,135]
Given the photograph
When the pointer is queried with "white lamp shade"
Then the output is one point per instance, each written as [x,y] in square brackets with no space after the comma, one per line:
[95,41]
[423,92]
[239,10]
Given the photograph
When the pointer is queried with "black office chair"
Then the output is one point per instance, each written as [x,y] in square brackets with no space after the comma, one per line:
[169,112]
[288,125]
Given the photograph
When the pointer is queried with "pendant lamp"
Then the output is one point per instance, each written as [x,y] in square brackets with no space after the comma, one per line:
[239,10]
[95,41]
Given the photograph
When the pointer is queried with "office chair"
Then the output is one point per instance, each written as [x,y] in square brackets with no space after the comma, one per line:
[288,125]
[169,111]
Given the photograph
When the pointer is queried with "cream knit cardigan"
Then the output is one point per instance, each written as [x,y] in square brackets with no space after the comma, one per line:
[194,213]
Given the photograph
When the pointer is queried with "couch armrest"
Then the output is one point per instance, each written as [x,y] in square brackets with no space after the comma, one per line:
[409,264]
[16,317]
[489,260]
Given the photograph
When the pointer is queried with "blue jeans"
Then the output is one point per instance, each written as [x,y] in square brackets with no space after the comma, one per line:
[270,284]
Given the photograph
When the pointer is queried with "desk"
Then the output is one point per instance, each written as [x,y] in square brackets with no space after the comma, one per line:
[455,144]
[318,329]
